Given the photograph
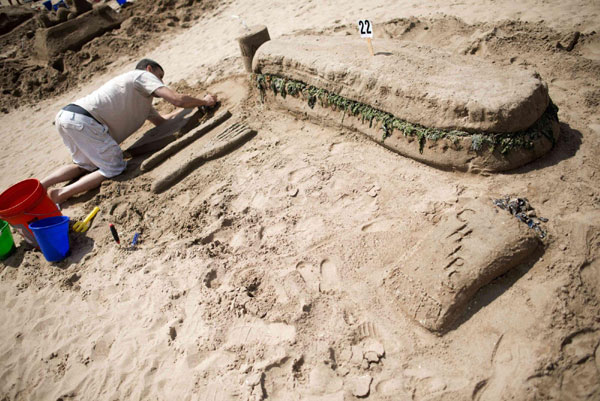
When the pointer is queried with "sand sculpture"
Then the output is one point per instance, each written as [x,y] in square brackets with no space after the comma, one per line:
[75,8]
[475,242]
[447,110]
[197,154]
[250,41]
[73,33]
[180,143]
[160,136]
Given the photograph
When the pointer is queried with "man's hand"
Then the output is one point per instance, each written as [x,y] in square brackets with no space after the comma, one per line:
[210,100]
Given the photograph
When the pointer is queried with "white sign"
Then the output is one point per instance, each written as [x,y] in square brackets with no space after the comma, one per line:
[365,27]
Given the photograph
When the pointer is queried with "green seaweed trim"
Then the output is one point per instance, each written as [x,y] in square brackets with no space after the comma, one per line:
[505,142]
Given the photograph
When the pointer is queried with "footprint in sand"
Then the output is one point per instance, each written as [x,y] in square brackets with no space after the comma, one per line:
[324,279]
[581,345]
[506,363]
[43,324]
[258,332]
[310,275]
[300,174]
[367,329]
[427,381]
[221,389]
[101,348]
[211,279]
[330,280]
[581,380]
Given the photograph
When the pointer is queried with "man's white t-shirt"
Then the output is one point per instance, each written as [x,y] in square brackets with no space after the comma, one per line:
[123,103]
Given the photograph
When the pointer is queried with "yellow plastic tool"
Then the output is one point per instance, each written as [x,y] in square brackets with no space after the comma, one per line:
[82,226]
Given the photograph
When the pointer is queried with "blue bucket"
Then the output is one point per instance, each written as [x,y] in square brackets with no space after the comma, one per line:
[61,3]
[52,234]
[121,2]
[48,4]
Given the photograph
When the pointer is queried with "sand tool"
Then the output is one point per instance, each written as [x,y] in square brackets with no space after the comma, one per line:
[134,242]
[82,226]
[114,233]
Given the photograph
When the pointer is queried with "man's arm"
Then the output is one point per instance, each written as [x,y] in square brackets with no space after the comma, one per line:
[181,100]
[158,119]
[178,100]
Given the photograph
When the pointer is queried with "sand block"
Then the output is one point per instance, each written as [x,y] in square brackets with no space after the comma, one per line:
[227,140]
[414,82]
[74,33]
[472,243]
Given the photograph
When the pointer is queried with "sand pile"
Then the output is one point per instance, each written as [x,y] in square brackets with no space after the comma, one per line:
[27,78]
[73,33]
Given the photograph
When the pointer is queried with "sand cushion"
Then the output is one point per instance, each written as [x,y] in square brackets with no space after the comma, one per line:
[414,82]
[472,243]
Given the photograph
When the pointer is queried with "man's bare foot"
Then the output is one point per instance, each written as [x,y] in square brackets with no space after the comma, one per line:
[55,195]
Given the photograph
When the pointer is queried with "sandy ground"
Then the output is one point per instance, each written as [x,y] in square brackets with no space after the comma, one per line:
[261,275]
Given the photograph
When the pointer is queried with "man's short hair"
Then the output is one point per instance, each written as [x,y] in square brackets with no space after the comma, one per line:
[145,62]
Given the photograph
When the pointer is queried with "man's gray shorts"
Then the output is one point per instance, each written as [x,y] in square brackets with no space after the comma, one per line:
[91,147]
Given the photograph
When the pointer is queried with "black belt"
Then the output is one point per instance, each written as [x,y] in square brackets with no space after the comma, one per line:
[73,108]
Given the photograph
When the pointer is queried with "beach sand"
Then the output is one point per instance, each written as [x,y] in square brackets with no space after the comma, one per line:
[262,275]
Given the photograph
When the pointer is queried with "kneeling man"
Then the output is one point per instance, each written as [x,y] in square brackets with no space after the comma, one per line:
[93,127]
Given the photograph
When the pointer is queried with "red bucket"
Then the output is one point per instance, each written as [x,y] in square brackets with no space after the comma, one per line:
[24,203]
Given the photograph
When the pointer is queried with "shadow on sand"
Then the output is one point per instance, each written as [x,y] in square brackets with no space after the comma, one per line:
[566,147]
[490,292]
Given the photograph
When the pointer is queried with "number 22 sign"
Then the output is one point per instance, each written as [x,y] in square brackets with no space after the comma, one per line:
[365,27]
